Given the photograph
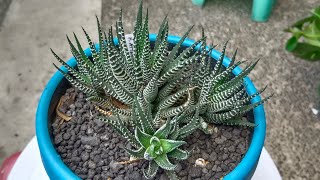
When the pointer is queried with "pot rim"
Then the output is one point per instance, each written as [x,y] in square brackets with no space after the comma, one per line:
[56,168]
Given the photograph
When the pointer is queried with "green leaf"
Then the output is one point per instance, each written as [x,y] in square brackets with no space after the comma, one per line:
[307,52]
[174,51]
[81,86]
[239,122]
[164,131]
[138,24]
[179,154]
[150,92]
[143,138]
[145,122]
[316,12]
[152,170]
[169,145]
[300,23]
[150,154]
[173,98]
[189,128]
[291,44]
[83,55]
[164,162]
[136,153]
[118,125]
[80,77]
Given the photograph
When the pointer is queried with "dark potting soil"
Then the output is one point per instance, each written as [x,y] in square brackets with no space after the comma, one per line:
[91,148]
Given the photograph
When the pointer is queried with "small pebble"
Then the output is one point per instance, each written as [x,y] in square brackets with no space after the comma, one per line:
[85,156]
[66,135]
[195,172]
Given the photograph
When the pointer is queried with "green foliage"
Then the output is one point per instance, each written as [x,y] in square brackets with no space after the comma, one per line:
[305,40]
[159,96]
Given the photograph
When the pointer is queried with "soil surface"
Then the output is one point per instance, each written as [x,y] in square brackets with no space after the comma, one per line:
[91,148]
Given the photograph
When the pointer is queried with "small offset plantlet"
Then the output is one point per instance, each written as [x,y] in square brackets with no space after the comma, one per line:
[155,96]
[157,146]
[305,40]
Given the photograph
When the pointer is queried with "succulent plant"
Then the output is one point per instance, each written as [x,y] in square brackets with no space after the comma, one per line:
[157,146]
[162,94]
[169,80]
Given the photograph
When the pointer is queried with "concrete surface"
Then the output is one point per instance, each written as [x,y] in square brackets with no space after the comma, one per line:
[31,27]
[293,134]
[4,5]
[28,31]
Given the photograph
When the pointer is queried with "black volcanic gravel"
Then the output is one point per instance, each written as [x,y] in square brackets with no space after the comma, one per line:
[90,147]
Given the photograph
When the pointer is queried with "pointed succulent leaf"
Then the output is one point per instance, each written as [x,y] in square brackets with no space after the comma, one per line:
[227,93]
[80,77]
[150,92]
[223,117]
[122,95]
[162,31]
[145,121]
[176,70]
[119,72]
[167,89]
[145,61]
[180,118]
[119,126]
[189,128]
[83,87]
[239,77]
[179,154]
[233,59]
[164,131]
[247,108]
[83,55]
[173,111]
[136,153]
[104,103]
[164,162]
[172,99]
[247,99]
[83,65]
[125,54]
[173,53]
[217,67]
[92,46]
[239,122]
[150,154]
[138,24]
[152,170]
[143,138]
[159,57]
[169,145]
[224,104]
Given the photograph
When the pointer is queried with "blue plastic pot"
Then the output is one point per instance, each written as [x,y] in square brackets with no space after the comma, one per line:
[57,170]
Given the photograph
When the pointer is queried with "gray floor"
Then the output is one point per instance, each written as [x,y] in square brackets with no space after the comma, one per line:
[28,31]
[30,28]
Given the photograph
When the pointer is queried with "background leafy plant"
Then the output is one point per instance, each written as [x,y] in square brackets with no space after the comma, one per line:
[305,40]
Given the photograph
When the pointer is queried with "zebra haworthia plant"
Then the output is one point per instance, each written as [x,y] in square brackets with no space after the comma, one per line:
[152,86]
